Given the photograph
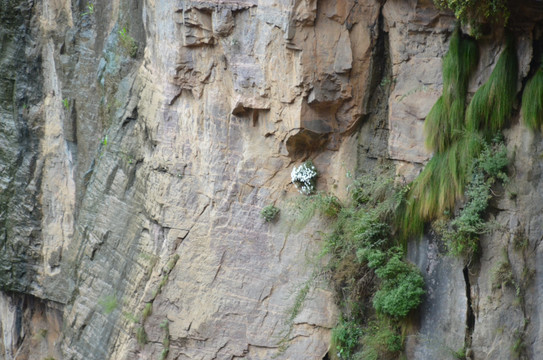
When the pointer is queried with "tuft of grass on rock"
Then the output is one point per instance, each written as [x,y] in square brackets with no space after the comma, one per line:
[532,102]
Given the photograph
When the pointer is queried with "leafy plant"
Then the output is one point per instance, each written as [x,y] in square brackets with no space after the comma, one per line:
[66,104]
[269,213]
[90,9]
[305,177]
[402,286]
[381,340]
[346,338]
[462,233]
[476,11]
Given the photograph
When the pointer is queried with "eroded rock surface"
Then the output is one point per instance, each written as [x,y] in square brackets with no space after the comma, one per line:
[141,139]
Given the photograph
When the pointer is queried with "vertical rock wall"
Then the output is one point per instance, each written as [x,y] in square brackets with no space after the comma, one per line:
[141,139]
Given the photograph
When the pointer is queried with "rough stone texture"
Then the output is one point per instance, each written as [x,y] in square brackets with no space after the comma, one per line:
[137,177]
[445,300]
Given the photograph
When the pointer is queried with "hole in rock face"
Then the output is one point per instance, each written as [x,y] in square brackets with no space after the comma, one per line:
[305,142]
[326,357]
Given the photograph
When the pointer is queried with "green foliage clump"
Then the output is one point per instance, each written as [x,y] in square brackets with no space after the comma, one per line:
[462,233]
[377,269]
[346,337]
[443,181]
[402,285]
[381,340]
[493,102]
[532,102]
[108,303]
[476,11]
[444,123]
[269,213]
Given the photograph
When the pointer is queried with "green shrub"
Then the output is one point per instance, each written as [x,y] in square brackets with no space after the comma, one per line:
[476,11]
[532,102]
[346,337]
[381,340]
[269,213]
[401,289]
[462,233]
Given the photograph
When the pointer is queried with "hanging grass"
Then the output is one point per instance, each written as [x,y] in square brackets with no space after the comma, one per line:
[493,102]
[441,183]
[532,102]
[445,121]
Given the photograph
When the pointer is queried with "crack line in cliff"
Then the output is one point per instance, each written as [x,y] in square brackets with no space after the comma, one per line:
[470,316]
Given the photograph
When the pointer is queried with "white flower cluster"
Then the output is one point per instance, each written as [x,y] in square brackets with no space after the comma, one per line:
[304,177]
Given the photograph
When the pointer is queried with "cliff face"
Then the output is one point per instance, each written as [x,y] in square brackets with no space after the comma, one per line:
[140,140]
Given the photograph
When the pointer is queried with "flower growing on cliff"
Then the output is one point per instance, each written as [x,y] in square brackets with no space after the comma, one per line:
[305,177]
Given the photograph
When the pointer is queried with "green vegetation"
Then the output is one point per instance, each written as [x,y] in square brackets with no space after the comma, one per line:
[90,9]
[141,335]
[108,303]
[165,325]
[502,273]
[346,336]
[532,102]
[66,104]
[147,311]
[492,104]
[477,11]
[269,213]
[303,209]
[461,234]
[381,340]
[128,43]
[445,122]
[460,354]
[443,181]
[366,264]
[402,285]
